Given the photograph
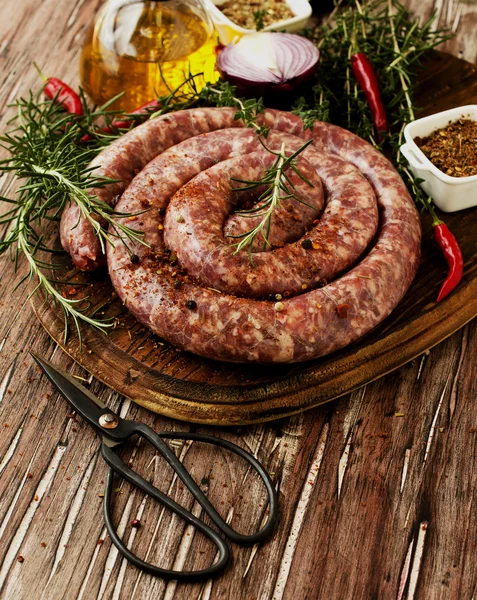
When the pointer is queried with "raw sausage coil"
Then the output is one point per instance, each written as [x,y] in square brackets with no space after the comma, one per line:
[300,300]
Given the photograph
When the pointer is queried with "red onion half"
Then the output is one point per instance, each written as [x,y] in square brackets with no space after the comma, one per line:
[261,61]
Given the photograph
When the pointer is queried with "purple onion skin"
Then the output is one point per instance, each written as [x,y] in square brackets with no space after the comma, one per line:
[275,95]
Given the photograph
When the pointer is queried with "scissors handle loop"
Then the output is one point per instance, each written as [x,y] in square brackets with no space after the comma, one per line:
[118,466]
[238,538]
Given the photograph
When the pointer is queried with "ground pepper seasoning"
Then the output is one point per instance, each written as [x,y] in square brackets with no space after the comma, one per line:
[256,14]
[452,149]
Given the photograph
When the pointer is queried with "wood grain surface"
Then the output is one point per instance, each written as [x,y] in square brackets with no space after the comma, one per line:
[377,490]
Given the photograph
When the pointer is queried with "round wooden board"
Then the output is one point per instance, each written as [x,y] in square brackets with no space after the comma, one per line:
[178,384]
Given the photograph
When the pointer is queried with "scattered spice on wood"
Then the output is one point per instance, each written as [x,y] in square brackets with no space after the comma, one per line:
[452,149]
[20,559]
[256,14]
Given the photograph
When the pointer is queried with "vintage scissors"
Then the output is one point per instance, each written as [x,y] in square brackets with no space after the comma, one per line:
[114,431]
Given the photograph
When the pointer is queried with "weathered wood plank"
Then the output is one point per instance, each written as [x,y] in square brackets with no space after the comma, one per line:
[458,16]
[401,527]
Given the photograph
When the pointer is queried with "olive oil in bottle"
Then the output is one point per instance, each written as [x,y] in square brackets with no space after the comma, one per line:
[144,49]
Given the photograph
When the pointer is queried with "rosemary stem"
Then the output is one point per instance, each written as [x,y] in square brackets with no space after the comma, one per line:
[80,197]
[278,177]
[273,200]
[240,105]
[51,291]
[398,59]
[404,85]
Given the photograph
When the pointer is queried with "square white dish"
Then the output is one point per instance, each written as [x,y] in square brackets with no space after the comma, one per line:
[450,194]
[228,31]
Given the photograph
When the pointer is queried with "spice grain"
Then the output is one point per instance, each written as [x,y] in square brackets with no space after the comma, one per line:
[241,12]
[452,149]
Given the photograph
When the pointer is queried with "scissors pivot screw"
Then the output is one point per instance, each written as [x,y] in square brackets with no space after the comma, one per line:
[108,421]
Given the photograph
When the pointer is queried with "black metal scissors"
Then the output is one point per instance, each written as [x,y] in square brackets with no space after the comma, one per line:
[114,431]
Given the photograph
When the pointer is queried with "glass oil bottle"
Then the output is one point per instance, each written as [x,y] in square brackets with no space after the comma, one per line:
[146,48]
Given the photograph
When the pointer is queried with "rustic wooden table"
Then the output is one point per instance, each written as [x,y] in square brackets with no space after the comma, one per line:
[377,490]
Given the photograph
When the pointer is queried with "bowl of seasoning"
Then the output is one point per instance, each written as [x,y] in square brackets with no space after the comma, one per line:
[234,18]
[441,150]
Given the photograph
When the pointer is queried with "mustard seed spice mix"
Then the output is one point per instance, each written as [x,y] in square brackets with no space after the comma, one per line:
[256,14]
[452,149]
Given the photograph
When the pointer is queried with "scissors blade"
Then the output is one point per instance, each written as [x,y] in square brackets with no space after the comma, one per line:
[82,400]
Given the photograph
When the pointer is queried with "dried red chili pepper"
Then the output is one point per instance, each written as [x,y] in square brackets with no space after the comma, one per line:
[55,89]
[368,82]
[453,255]
[451,251]
[125,123]
[142,110]
[58,90]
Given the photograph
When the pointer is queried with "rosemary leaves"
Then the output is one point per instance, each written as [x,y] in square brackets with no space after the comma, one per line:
[386,32]
[50,152]
[278,188]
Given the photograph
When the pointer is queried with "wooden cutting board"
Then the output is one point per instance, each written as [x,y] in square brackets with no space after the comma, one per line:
[178,384]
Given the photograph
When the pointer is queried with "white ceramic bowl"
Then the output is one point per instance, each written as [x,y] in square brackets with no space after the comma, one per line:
[449,193]
[228,31]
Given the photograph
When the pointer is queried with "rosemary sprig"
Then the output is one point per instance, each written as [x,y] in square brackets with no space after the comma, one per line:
[248,109]
[48,155]
[395,42]
[279,188]
[52,166]
[45,154]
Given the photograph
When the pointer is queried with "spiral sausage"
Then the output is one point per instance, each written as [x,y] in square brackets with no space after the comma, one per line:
[299,300]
